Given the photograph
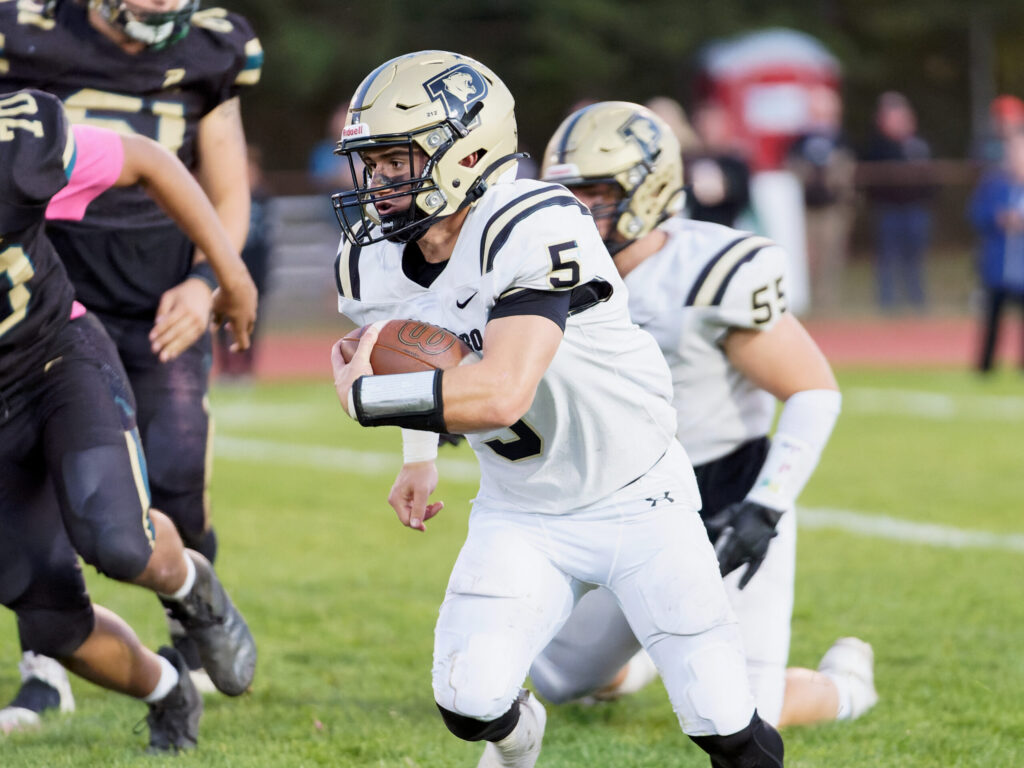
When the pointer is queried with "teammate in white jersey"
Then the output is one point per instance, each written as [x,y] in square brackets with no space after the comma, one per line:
[714,298]
[568,409]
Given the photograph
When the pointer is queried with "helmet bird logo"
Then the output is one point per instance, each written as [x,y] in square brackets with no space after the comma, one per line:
[645,132]
[457,88]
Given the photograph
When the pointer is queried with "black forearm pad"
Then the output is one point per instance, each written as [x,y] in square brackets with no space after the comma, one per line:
[428,417]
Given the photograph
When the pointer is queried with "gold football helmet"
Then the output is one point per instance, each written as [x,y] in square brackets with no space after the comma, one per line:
[625,144]
[443,105]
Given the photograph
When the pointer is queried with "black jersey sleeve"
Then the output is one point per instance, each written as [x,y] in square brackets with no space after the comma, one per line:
[554,305]
[37,154]
[233,33]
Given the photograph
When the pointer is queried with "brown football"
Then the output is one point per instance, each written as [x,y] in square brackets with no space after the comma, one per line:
[408,346]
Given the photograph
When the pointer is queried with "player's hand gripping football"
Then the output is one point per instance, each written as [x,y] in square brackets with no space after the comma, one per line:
[234,304]
[410,492]
[741,534]
[345,374]
[181,318]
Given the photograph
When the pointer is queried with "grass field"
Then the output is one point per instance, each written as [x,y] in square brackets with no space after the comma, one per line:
[343,600]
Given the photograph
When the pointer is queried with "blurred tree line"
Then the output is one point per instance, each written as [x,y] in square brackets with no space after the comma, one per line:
[552,53]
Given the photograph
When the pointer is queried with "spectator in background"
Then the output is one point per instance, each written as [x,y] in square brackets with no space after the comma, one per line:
[256,255]
[672,112]
[329,172]
[1006,116]
[997,211]
[899,187]
[823,161]
[717,174]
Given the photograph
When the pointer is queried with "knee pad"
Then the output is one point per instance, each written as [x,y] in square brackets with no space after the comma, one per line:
[707,683]
[756,746]
[54,633]
[471,678]
[121,554]
[471,729]
[105,516]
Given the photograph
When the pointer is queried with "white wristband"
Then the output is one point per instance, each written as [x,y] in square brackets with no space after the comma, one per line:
[418,445]
[350,409]
[804,427]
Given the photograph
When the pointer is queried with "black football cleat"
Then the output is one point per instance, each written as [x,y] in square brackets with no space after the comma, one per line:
[226,646]
[174,720]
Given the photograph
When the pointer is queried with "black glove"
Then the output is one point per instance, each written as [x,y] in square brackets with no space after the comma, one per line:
[741,533]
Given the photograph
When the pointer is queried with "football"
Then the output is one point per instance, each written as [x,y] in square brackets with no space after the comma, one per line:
[408,346]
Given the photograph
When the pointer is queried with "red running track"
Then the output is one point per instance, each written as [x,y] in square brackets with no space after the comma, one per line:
[948,342]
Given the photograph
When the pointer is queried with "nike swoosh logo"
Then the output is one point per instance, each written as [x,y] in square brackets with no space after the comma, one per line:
[462,304]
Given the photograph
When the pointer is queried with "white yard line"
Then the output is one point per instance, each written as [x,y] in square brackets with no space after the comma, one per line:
[913,403]
[241,414]
[387,464]
[895,529]
[933,405]
[329,457]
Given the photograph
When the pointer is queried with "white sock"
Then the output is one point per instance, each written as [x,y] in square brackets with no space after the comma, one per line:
[168,679]
[190,580]
[842,684]
[521,747]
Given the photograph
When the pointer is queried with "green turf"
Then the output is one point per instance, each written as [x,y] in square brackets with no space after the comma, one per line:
[343,600]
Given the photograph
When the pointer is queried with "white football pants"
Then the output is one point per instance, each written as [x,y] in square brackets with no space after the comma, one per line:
[597,641]
[519,575]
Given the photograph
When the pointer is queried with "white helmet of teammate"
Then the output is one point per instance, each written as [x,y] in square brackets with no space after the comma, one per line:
[617,142]
[449,107]
[155,28]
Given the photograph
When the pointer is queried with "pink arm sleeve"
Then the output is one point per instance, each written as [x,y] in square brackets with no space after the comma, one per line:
[99,157]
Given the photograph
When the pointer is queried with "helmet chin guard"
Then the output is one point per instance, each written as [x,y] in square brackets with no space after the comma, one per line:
[155,29]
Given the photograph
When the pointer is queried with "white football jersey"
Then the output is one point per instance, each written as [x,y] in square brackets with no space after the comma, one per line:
[706,281]
[602,415]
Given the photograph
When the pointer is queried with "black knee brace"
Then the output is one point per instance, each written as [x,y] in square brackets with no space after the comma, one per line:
[756,746]
[470,729]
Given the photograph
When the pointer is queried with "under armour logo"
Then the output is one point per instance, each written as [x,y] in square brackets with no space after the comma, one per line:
[666,497]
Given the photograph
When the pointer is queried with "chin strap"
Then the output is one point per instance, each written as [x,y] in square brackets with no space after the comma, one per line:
[479,186]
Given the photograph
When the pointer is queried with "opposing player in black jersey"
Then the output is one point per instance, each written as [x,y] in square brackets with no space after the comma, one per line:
[162,69]
[72,468]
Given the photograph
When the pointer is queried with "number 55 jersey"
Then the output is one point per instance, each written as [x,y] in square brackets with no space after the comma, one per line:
[161,94]
[602,414]
[705,282]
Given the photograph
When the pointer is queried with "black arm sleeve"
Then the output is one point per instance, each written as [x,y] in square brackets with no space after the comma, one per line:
[554,305]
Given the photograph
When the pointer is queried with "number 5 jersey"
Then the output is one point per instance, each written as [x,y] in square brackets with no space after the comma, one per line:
[602,414]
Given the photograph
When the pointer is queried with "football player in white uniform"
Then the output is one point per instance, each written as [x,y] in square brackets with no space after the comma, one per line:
[714,298]
[568,408]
